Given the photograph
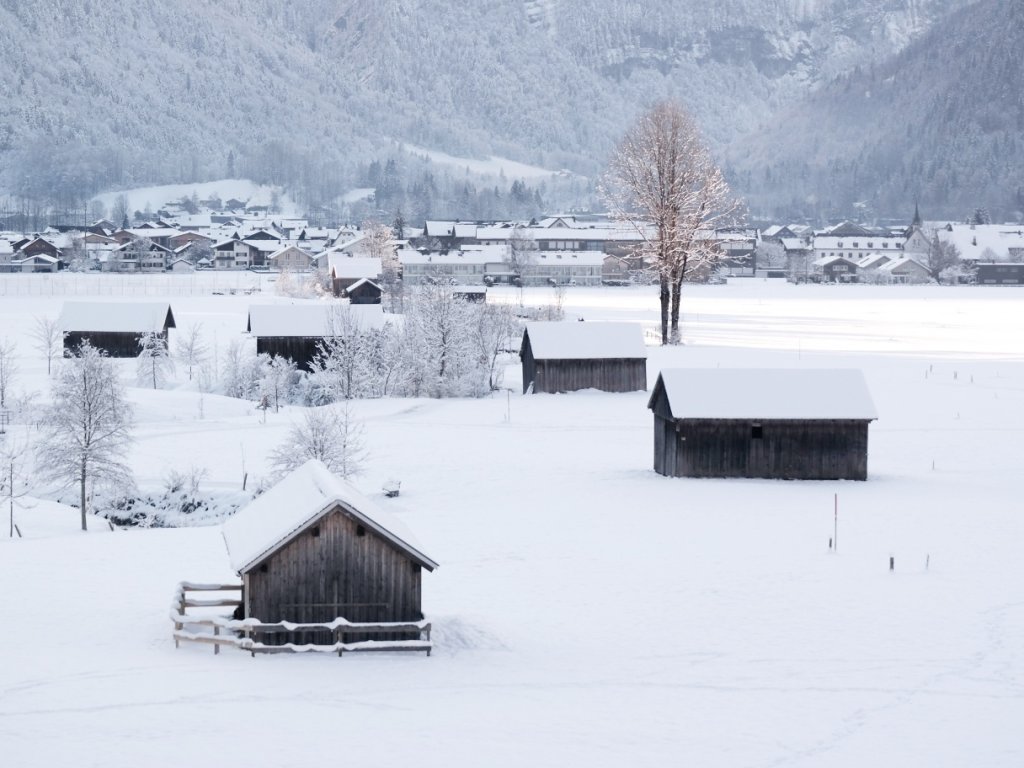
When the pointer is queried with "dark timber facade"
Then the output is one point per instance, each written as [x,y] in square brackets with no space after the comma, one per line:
[785,449]
[334,566]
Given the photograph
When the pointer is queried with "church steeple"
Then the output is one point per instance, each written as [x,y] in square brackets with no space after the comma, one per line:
[917,216]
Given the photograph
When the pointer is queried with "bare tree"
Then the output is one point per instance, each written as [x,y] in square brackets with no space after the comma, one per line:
[663,181]
[941,256]
[493,326]
[48,339]
[521,256]
[154,363]
[87,429]
[330,434]
[14,476]
[8,370]
[191,348]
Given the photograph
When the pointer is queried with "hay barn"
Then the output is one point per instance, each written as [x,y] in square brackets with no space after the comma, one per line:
[312,549]
[569,356]
[296,330]
[783,424]
[114,328]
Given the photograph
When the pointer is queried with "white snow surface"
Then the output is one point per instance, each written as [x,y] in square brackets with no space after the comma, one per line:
[587,611]
[493,165]
[114,317]
[762,393]
[345,266]
[582,341]
[295,502]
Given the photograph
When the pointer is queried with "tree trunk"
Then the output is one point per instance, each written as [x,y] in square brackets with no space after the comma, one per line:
[664,308]
[677,291]
[82,497]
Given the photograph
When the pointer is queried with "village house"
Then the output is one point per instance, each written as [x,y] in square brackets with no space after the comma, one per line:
[794,424]
[290,259]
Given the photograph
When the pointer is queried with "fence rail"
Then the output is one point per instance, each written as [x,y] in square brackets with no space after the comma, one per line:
[218,630]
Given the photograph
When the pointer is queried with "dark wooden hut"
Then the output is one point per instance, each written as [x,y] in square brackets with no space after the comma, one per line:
[568,356]
[312,549]
[783,424]
[1000,273]
[295,331]
[114,328]
[363,291]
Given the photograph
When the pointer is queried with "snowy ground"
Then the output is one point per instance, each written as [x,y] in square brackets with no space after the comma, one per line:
[586,610]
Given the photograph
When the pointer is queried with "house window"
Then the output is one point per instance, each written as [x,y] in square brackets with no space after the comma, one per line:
[315,533]
[360,531]
[756,432]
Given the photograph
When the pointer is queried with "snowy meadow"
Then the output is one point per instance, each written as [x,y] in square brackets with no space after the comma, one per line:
[586,610]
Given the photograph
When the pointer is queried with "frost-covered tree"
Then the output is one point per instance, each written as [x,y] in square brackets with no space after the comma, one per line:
[48,339]
[86,431]
[278,380]
[154,365]
[240,373]
[330,434]
[8,370]
[664,182]
[14,476]
[492,331]
[437,325]
[191,348]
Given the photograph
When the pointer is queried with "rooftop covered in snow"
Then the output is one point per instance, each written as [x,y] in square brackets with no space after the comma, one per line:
[298,501]
[766,393]
[580,341]
[115,317]
[311,320]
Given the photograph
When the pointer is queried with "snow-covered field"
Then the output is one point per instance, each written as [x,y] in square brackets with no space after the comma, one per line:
[587,611]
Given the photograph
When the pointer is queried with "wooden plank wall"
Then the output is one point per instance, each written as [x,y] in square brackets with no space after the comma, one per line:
[112,344]
[623,375]
[805,450]
[299,349]
[339,572]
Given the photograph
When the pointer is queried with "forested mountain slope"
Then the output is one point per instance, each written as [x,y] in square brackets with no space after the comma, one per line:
[941,123]
[100,93]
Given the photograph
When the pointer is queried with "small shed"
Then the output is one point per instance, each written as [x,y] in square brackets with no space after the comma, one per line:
[295,331]
[363,291]
[345,269]
[769,423]
[568,356]
[312,549]
[114,328]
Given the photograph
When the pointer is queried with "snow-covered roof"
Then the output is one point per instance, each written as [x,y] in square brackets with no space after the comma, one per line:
[341,265]
[311,320]
[361,282]
[585,341]
[875,260]
[973,240]
[298,501]
[794,243]
[766,393]
[904,264]
[127,317]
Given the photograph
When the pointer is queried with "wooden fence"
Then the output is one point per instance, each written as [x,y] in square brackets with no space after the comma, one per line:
[218,630]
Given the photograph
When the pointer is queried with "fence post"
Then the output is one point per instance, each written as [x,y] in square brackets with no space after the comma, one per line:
[216,633]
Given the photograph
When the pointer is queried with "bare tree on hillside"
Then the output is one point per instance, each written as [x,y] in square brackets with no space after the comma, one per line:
[331,435]
[87,428]
[663,181]
[48,339]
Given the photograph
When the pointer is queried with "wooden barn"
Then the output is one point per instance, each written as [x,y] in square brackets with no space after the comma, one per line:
[782,424]
[114,328]
[312,549]
[363,291]
[566,356]
[296,330]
